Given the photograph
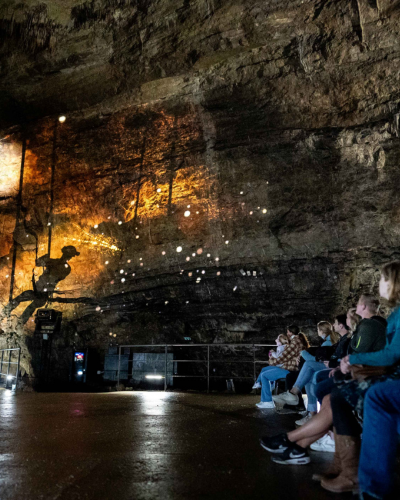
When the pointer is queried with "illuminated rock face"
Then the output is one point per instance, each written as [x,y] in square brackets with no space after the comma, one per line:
[259,138]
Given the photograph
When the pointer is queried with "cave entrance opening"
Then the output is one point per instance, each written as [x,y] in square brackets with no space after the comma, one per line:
[9,367]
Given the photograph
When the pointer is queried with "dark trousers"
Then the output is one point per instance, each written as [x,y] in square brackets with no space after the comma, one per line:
[291,379]
[324,385]
[344,419]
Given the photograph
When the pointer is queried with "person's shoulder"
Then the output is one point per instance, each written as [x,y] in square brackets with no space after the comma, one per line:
[394,317]
[373,323]
[380,319]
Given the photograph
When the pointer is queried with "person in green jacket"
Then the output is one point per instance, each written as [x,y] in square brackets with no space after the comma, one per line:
[370,334]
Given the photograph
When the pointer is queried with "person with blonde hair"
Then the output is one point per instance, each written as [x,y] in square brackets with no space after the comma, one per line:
[374,478]
[291,448]
[279,367]
[281,341]
[307,372]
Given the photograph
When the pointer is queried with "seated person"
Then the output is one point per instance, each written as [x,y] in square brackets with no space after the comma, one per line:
[305,377]
[381,424]
[348,398]
[292,446]
[282,365]
[281,341]
[327,337]
[369,336]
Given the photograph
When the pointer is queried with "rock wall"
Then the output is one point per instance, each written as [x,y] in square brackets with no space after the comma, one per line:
[260,137]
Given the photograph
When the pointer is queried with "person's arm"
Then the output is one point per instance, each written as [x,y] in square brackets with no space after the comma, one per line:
[388,356]
[290,351]
[367,337]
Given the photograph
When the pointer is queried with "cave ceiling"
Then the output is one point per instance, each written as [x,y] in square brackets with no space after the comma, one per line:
[64,55]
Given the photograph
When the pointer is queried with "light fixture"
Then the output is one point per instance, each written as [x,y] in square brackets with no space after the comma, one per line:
[154,377]
[10,377]
[187,213]
[80,372]
[61,119]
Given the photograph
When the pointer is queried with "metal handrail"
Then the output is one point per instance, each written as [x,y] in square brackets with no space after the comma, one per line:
[208,360]
[8,363]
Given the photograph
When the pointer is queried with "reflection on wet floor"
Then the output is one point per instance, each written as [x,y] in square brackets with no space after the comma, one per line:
[143,445]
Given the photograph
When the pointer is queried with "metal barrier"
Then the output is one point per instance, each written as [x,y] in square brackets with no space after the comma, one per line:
[11,375]
[166,347]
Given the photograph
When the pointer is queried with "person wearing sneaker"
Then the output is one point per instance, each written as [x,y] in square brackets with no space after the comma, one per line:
[281,366]
[368,370]
[305,377]
[284,451]
[281,342]
[326,443]
[298,440]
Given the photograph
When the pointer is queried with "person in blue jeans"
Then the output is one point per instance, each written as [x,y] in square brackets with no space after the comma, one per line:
[310,367]
[381,427]
[281,342]
[282,365]
[349,396]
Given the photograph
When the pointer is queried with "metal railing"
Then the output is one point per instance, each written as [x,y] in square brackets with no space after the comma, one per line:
[12,367]
[206,361]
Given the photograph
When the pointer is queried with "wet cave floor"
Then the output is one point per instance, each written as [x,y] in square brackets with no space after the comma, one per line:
[145,445]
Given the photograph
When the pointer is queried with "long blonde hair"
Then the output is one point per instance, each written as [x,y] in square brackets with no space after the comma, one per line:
[391,273]
[354,319]
[284,339]
[326,328]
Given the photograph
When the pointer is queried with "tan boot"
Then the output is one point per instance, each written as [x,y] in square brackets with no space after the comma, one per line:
[349,452]
[334,468]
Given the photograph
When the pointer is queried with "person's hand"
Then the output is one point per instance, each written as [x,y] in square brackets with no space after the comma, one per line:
[326,363]
[345,365]
[332,372]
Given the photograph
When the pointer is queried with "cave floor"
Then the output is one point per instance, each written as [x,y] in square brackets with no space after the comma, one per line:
[145,445]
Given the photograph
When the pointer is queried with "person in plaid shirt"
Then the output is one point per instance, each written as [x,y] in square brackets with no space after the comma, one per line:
[279,367]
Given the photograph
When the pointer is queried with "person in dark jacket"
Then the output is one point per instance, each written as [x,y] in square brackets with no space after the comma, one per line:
[369,336]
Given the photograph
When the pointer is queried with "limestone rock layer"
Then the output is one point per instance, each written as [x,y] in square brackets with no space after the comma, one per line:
[260,137]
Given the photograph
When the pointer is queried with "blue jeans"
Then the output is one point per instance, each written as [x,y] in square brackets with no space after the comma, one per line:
[379,443]
[305,380]
[263,370]
[307,356]
[267,375]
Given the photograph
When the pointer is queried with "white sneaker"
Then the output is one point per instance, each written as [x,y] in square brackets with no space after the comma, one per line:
[326,443]
[257,385]
[265,404]
[287,398]
[305,419]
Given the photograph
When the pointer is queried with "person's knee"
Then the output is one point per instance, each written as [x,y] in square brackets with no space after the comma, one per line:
[326,402]
[376,396]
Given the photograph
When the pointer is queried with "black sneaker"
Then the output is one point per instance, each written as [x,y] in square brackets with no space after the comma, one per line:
[275,444]
[293,455]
